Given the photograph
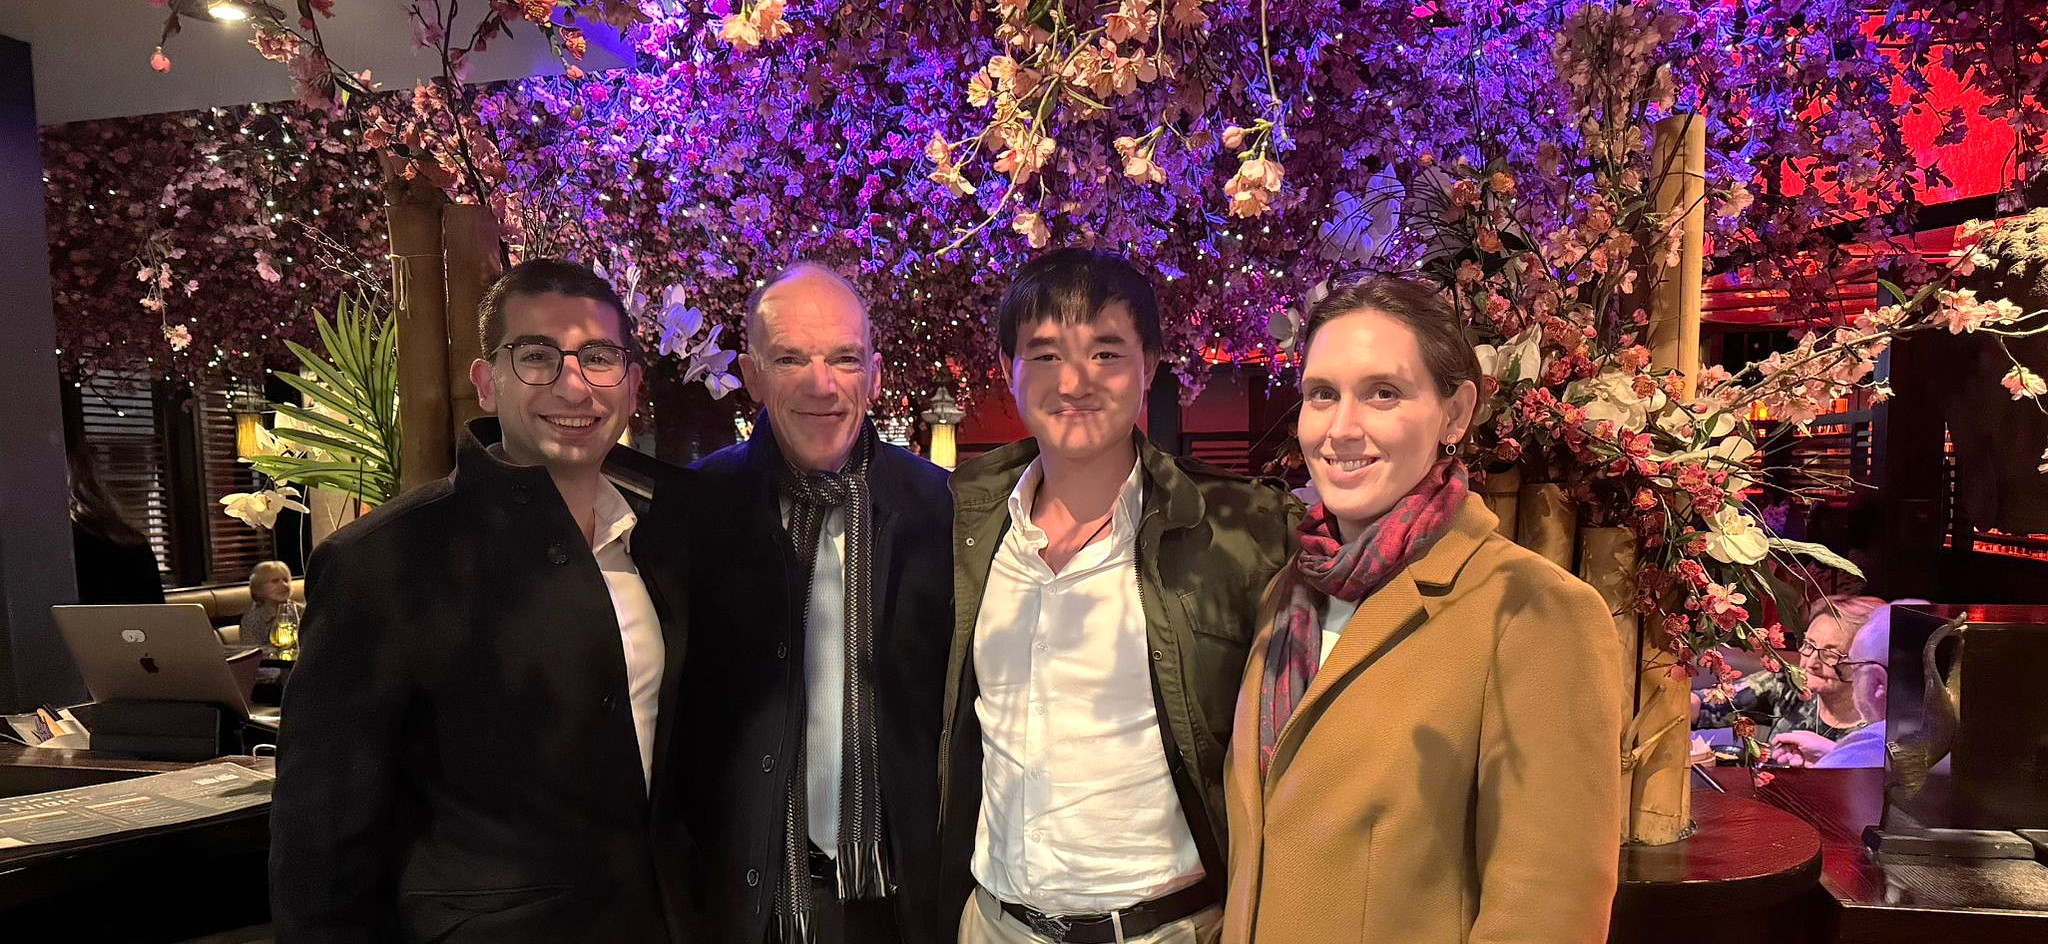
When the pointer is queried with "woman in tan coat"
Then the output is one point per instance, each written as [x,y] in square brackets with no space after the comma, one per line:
[1427,745]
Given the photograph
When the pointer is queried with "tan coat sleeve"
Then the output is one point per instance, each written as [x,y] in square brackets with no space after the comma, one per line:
[1549,793]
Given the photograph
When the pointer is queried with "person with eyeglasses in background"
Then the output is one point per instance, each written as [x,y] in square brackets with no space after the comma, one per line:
[1865,670]
[1774,701]
[472,752]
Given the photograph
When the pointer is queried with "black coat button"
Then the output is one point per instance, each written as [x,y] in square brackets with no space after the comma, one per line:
[782,650]
[767,763]
[606,702]
[753,877]
[557,554]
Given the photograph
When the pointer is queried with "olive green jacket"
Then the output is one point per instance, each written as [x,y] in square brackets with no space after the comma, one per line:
[1208,543]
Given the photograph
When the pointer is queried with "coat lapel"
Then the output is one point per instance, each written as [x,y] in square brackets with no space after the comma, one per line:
[1380,622]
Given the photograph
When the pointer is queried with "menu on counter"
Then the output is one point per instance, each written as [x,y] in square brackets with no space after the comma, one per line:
[165,799]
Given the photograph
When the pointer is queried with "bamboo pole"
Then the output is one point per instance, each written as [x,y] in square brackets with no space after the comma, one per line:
[1501,491]
[1607,561]
[1658,749]
[1680,157]
[1546,523]
[413,208]
[470,244]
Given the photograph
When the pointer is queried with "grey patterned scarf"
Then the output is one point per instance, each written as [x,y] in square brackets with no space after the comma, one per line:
[863,854]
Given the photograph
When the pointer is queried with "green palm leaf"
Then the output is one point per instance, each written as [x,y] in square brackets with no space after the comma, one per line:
[351,411]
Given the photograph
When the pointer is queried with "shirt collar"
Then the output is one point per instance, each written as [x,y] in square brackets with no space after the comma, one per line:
[615,519]
[1129,498]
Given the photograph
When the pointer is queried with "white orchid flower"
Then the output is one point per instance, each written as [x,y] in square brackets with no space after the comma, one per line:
[1612,397]
[1735,538]
[260,509]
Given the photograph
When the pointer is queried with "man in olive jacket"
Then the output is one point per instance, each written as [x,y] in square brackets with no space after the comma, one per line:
[1104,597]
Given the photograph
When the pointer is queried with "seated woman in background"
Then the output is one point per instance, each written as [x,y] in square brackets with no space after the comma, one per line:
[114,561]
[1773,702]
[270,596]
[1426,738]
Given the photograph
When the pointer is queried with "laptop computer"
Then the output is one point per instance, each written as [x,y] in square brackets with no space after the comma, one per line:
[150,652]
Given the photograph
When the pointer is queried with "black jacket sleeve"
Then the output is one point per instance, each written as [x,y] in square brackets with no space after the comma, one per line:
[334,849]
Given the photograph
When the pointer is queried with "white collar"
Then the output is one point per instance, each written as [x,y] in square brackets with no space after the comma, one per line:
[615,518]
[1129,498]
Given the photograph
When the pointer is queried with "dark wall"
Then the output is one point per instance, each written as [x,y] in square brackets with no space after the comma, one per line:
[35,529]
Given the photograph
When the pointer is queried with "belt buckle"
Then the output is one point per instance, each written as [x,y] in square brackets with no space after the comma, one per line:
[1052,926]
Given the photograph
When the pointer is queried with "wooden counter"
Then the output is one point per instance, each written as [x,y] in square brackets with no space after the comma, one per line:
[158,885]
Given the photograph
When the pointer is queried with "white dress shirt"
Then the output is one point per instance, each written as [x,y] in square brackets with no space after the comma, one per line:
[639,625]
[825,680]
[1078,812]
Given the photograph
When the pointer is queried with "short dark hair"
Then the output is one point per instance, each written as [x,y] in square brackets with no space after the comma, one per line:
[1446,347]
[540,277]
[1073,286]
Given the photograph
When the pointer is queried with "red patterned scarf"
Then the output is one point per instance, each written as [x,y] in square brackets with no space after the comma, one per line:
[1328,566]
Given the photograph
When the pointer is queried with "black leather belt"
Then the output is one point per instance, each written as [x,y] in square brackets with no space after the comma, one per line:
[1138,920]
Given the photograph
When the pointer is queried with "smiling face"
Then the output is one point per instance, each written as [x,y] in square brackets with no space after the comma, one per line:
[811,365]
[570,425]
[1373,421]
[1079,386]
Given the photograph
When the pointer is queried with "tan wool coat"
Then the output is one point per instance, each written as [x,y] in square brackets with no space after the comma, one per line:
[1453,773]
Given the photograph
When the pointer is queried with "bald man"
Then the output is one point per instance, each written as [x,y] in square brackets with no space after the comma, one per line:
[821,600]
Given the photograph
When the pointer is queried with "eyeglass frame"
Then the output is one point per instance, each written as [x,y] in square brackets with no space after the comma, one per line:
[629,357]
[1841,659]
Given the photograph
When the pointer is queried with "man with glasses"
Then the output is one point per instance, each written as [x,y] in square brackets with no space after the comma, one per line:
[473,745]
[821,576]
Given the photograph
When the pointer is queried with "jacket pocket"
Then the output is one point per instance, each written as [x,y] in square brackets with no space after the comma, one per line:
[1228,612]
[1371,929]
[475,914]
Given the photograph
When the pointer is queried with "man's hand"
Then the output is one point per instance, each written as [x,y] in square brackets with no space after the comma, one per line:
[1799,748]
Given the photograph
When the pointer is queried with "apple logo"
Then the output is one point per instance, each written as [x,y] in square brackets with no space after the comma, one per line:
[149,665]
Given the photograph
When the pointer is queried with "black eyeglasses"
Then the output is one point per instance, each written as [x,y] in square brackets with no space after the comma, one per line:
[539,363]
[1825,657]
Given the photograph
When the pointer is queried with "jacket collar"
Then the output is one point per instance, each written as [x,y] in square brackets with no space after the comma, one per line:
[984,483]
[477,465]
[1439,568]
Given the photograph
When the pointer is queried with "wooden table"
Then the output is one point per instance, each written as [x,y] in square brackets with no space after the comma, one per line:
[1787,863]
[1895,899]
[158,885]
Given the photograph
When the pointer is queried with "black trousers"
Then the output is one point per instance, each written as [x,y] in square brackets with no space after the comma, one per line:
[848,922]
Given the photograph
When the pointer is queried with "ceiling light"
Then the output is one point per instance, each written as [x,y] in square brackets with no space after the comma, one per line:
[227,11]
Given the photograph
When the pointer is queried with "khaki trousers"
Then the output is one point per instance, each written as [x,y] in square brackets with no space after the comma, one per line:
[983,922]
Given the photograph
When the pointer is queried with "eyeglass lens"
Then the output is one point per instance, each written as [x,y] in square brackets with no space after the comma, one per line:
[540,364]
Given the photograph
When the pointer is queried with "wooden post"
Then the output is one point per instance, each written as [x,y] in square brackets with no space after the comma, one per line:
[470,244]
[1680,158]
[1501,491]
[1660,793]
[413,208]
[1546,523]
[1607,561]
